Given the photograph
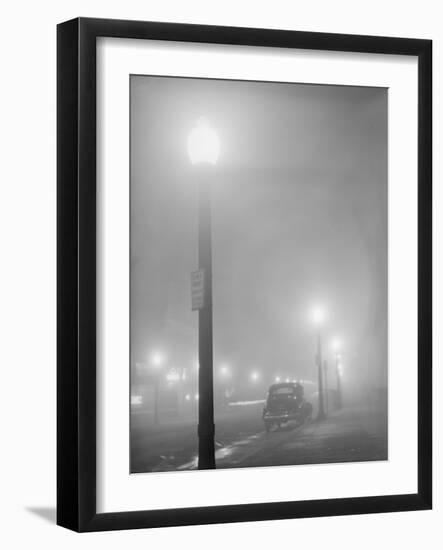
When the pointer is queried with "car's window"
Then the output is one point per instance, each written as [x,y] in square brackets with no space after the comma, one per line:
[282,391]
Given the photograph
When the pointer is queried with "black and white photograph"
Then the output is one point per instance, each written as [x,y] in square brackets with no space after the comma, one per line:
[222,319]
[244,275]
[258,274]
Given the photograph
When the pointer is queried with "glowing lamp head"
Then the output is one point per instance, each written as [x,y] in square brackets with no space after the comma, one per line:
[157,359]
[203,143]
[318,315]
[255,376]
[336,345]
[225,370]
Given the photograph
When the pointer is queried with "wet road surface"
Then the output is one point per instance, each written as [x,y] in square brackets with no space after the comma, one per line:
[350,435]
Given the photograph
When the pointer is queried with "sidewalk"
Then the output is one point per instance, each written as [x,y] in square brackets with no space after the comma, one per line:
[345,436]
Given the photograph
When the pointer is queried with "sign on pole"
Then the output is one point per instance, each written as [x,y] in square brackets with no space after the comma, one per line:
[198,289]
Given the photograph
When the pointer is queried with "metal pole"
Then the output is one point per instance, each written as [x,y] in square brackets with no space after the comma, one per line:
[181,391]
[325,371]
[337,373]
[206,428]
[156,389]
[321,406]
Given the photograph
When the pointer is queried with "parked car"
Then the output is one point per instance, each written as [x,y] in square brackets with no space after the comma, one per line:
[285,403]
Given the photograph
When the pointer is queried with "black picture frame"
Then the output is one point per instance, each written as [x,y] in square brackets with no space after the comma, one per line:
[76,280]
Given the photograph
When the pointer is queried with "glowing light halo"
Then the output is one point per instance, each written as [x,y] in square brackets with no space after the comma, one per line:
[203,143]
[318,315]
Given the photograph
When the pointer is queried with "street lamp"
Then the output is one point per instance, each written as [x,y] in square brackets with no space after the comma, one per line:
[156,360]
[203,143]
[336,346]
[318,316]
[255,376]
[203,149]
[326,388]
[225,371]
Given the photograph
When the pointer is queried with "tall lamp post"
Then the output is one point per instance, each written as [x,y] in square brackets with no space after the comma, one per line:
[318,318]
[326,388]
[336,345]
[203,150]
[156,361]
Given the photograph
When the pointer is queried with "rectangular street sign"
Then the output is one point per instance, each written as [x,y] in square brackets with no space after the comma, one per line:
[198,289]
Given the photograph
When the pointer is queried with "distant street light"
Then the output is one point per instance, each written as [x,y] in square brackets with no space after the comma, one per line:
[318,316]
[336,345]
[277,379]
[156,360]
[338,372]
[225,375]
[225,371]
[255,376]
[326,389]
[340,366]
[204,148]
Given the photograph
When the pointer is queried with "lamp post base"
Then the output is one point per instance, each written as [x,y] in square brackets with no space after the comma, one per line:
[206,448]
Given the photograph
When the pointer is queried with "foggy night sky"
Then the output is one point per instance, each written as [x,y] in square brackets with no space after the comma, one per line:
[299,218]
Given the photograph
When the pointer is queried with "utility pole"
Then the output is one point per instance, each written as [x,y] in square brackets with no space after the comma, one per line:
[156,391]
[321,406]
[338,377]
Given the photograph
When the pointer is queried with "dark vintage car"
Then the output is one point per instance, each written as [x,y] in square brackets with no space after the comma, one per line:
[285,403]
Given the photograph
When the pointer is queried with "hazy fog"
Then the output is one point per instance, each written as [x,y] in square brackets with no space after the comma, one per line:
[299,218]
